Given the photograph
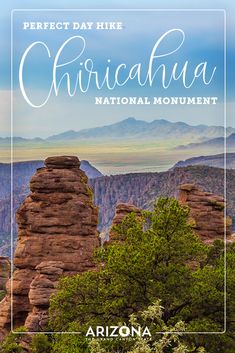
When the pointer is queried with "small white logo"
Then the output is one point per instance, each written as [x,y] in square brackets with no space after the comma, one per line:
[117,331]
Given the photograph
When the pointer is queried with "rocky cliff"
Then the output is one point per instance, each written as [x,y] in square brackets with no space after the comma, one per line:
[57,225]
[142,189]
[57,234]
[206,214]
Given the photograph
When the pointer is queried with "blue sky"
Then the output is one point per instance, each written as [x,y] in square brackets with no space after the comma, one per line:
[203,42]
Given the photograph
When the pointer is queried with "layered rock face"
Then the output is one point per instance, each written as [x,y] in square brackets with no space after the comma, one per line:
[41,288]
[206,211]
[57,235]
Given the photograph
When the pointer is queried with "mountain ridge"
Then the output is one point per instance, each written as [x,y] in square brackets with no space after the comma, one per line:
[132,128]
[211,143]
[216,160]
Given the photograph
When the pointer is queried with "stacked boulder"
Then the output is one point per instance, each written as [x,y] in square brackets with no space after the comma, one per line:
[206,212]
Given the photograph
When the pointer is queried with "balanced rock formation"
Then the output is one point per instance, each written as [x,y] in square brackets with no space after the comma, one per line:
[57,235]
[122,210]
[206,212]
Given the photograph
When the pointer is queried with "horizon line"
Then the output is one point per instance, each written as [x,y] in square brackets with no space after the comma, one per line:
[114,123]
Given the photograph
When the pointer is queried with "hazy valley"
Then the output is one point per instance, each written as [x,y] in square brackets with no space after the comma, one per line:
[127,146]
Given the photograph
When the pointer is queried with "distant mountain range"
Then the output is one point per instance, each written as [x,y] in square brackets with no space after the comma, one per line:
[17,139]
[132,128]
[216,160]
[212,143]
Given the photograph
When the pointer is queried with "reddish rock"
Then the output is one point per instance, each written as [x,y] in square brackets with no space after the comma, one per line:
[57,235]
[206,212]
[41,289]
[122,210]
[5,269]
[37,320]
[5,316]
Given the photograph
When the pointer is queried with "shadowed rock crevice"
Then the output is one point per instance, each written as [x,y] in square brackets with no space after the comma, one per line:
[5,269]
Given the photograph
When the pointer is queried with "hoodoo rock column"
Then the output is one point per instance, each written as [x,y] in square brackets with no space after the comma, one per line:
[57,235]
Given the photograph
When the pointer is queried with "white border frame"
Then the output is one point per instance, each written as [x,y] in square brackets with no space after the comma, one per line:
[225,152]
